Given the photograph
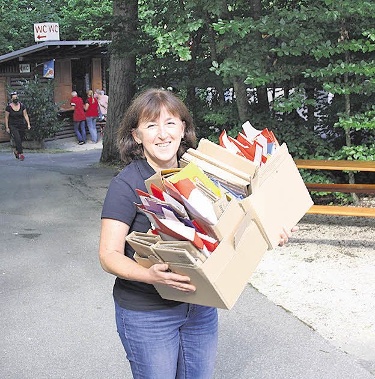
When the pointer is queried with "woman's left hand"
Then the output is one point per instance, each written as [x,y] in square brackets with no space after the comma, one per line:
[29,127]
[285,235]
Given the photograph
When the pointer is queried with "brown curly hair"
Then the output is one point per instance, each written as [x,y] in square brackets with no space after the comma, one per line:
[146,107]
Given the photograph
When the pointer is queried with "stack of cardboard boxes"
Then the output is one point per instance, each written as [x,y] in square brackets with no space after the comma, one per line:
[275,198]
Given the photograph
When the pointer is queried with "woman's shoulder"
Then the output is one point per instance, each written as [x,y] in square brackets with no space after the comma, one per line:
[136,171]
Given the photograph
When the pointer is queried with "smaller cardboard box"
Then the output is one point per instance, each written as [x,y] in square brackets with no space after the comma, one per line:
[227,212]
[222,277]
[279,198]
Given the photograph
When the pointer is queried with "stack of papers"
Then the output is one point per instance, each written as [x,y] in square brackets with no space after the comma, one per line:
[184,209]
[253,144]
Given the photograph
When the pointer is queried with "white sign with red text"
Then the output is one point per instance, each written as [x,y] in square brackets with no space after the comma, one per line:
[47,31]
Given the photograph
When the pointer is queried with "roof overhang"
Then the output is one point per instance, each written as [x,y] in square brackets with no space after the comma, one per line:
[58,50]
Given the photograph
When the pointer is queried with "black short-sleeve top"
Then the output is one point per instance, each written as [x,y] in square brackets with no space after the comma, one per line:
[119,204]
[16,118]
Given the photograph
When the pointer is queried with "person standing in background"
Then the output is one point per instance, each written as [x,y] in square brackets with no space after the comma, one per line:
[79,118]
[103,104]
[92,113]
[15,117]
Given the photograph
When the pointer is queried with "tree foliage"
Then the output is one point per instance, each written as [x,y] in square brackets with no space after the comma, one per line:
[303,68]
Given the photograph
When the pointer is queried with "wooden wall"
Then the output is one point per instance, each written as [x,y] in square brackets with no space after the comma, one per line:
[96,74]
[63,82]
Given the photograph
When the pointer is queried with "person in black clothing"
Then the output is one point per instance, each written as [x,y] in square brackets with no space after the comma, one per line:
[163,339]
[15,117]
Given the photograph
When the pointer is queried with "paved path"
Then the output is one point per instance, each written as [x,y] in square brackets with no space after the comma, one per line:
[56,309]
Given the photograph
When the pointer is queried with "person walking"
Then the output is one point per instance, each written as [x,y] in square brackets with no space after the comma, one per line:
[163,339]
[79,118]
[16,122]
[92,113]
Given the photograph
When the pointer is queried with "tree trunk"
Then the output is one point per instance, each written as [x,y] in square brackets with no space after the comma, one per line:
[241,99]
[122,73]
[348,113]
[311,120]
[214,58]
[263,103]
[261,92]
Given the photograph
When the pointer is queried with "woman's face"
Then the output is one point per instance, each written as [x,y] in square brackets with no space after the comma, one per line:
[161,139]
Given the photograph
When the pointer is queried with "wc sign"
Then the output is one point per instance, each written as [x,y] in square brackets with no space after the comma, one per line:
[47,31]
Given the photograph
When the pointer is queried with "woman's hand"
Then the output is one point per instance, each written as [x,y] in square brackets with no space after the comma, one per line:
[159,274]
[285,235]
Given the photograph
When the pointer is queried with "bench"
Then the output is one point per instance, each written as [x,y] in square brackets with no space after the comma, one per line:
[339,165]
[101,126]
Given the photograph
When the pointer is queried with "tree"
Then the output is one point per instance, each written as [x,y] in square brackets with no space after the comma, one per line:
[85,20]
[122,72]
[17,18]
[78,20]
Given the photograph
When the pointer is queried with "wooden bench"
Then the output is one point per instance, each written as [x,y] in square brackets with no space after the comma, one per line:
[101,126]
[340,165]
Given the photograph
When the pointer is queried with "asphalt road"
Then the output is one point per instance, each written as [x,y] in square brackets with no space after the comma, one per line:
[56,307]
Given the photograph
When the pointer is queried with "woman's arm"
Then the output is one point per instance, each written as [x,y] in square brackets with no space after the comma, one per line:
[26,118]
[113,260]
[7,122]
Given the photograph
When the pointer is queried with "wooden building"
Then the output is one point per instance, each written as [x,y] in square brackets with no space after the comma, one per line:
[77,65]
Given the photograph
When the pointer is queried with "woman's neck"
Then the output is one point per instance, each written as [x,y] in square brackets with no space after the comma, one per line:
[165,166]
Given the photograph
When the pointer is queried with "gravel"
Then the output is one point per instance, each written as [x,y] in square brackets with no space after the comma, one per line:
[325,276]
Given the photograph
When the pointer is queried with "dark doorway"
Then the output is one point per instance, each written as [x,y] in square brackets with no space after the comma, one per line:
[81,79]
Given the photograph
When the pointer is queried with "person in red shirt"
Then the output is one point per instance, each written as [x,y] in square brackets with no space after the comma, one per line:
[79,118]
[92,113]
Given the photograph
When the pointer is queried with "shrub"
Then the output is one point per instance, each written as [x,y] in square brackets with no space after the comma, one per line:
[38,97]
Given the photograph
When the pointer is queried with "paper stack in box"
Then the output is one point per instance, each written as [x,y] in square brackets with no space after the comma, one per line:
[277,196]
[216,216]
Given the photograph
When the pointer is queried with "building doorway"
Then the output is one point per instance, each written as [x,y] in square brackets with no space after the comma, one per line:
[81,78]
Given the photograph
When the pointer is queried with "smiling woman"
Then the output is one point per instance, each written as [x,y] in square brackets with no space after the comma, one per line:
[148,108]
[156,130]
[160,139]
[163,339]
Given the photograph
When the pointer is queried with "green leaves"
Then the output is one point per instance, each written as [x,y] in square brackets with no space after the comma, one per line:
[360,121]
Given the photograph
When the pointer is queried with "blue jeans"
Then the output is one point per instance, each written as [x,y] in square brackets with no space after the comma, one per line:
[91,124]
[175,343]
[81,135]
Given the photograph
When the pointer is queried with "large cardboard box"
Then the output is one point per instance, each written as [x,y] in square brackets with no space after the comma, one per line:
[220,279]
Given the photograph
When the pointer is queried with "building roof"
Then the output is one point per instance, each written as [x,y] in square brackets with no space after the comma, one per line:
[58,49]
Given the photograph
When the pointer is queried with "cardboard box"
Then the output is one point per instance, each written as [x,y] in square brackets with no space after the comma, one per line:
[279,198]
[227,212]
[221,279]
[246,229]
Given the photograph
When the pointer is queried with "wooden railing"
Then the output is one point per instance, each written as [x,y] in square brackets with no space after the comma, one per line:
[341,165]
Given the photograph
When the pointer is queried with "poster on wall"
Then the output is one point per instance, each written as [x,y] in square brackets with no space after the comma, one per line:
[49,69]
